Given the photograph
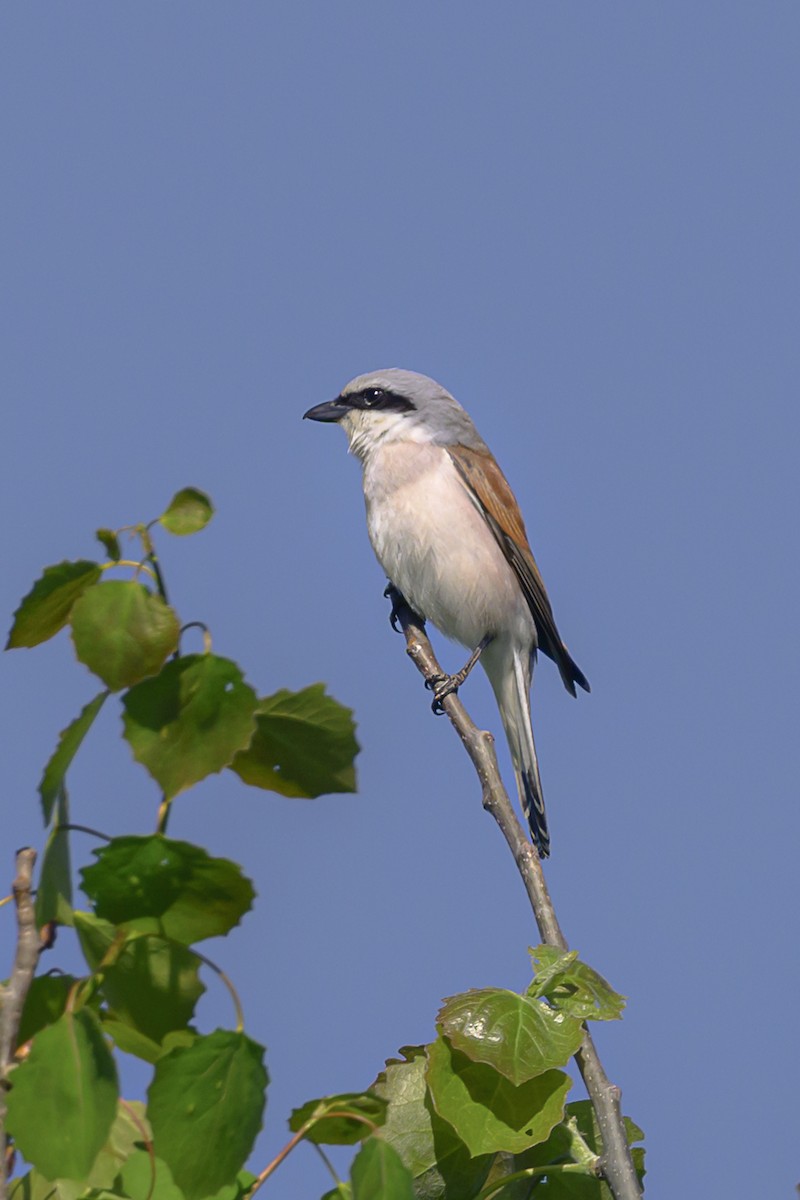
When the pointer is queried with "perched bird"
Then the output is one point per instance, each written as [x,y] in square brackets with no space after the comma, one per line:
[447,531]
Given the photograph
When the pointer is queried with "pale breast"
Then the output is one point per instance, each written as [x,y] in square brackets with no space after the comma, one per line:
[436,547]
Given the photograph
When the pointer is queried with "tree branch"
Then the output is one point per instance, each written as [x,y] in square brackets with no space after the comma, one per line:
[12,996]
[616,1163]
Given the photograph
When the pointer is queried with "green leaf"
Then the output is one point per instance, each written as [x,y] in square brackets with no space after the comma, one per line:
[572,987]
[549,964]
[564,1146]
[122,632]
[190,720]
[188,511]
[96,938]
[504,1165]
[110,542]
[44,1004]
[340,1120]
[304,745]
[560,1186]
[579,1126]
[237,1190]
[205,1106]
[47,606]
[131,1041]
[171,887]
[378,1173]
[129,1127]
[61,759]
[582,1113]
[33,1186]
[439,1162]
[146,1178]
[488,1112]
[564,1185]
[342,1191]
[520,1038]
[151,985]
[64,1097]
[54,893]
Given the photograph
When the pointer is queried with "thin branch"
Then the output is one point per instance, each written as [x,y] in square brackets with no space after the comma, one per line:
[616,1164]
[12,996]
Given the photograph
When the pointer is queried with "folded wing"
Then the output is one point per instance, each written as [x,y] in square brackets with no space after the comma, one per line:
[490,492]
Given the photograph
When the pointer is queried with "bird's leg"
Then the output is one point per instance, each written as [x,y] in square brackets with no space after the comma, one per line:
[447,685]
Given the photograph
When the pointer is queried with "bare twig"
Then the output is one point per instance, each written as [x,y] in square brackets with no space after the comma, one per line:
[616,1163]
[12,996]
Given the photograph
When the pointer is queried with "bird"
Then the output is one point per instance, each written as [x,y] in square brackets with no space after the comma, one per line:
[448,532]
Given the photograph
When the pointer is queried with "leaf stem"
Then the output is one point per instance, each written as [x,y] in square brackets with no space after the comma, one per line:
[146,1138]
[122,940]
[206,633]
[237,1004]
[129,562]
[85,829]
[535,1173]
[328,1163]
[152,559]
[277,1160]
[159,578]
[163,815]
[304,1129]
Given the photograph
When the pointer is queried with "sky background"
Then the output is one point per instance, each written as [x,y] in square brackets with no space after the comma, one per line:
[583,220]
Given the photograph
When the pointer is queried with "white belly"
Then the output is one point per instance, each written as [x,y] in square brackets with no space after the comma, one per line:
[436,547]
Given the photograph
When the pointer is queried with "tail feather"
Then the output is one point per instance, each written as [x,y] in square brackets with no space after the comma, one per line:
[532,801]
[511,684]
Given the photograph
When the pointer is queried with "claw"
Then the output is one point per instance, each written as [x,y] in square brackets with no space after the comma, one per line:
[442,686]
[391,593]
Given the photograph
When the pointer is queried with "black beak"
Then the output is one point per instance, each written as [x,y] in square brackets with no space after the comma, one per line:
[331,410]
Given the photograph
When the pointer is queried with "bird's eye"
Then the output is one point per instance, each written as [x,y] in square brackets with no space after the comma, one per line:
[373,396]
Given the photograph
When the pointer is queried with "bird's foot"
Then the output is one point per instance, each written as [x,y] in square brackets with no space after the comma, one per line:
[399,601]
[442,686]
[391,593]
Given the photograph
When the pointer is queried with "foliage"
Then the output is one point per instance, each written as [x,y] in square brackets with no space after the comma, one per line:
[481,1111]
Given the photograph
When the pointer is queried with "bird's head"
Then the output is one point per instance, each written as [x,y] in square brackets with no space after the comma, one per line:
[396,406]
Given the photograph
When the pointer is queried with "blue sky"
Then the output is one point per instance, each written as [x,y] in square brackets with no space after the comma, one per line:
[582,219]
